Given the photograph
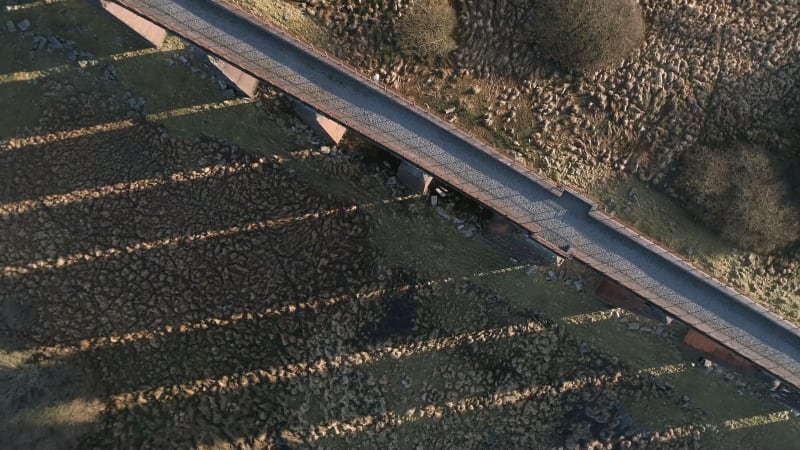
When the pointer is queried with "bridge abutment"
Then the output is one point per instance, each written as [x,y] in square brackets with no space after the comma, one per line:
[242,81]
[136,23]
[414,178]
[326,128]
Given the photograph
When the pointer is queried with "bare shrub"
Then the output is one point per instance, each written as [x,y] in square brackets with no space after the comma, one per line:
[741,193]
[706,178]
[587,34]
[763,217]
[426,29]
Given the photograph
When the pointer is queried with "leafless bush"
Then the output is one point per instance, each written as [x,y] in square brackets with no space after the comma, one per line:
[587,34]
[426,30]
[741,193]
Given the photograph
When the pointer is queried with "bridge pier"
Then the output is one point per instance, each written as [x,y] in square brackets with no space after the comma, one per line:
[328,129]
[244,82]
[414,178]
[138,24]
[714,351]
[619,296]
[517,241]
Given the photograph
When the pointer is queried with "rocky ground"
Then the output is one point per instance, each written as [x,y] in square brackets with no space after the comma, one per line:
[167,292]
[213,299]
[709,73]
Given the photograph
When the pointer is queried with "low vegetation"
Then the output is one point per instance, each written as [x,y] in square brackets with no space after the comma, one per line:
[741,193]
[587,34]
[426,30]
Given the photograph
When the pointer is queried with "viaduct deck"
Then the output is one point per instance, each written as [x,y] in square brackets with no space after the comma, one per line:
[562,220]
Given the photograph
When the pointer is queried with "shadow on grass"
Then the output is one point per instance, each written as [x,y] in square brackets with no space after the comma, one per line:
[21,107]
[78,21]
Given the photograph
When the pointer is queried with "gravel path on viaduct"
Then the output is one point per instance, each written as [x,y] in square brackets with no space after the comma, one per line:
[561,220]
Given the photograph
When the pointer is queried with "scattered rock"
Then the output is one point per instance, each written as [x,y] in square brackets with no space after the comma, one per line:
[55,43]
[751,259]
[24,25]
[110,72]
[39,42]
[136,104]
[468,231]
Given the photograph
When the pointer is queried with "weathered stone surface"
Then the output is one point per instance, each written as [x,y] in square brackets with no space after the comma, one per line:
[218,300]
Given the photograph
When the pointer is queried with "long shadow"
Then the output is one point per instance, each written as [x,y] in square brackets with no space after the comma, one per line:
[275,399]
[135,291]
[230,409]
[212,355]
[77,21]
[105,163]
[129,217]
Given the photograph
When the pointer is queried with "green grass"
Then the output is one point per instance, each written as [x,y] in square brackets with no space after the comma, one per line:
[666,220]
[242,124]
[173,94]
[21,107]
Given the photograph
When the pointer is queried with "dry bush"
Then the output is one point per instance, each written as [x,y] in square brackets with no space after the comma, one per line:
[426,30]
[587,34]
[741,193]
[706,178]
